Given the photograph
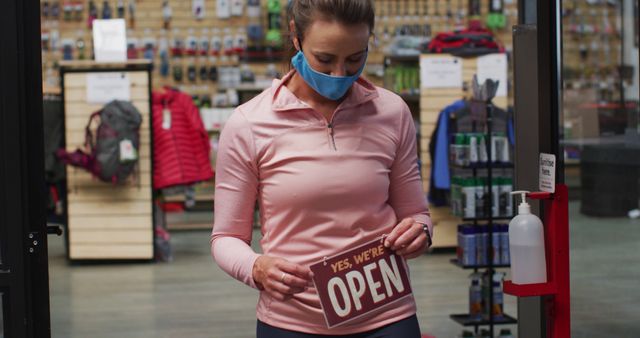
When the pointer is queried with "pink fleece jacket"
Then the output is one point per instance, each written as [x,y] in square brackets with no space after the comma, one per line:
[322,188]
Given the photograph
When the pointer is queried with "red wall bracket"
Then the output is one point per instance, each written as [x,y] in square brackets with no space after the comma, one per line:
[555,208]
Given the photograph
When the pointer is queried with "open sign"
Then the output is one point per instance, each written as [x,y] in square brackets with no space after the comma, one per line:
[359,281]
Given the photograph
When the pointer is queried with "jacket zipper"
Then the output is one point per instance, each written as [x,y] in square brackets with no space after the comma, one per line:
[330,128]
[331,135]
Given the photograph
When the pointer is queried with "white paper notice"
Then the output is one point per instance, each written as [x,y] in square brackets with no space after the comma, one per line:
[493,66]
[105,87]
[110,40]
[197,7]
[441,72]
[223,9]
[547,180]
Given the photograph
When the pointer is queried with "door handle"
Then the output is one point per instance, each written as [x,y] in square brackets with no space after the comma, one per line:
[54,229]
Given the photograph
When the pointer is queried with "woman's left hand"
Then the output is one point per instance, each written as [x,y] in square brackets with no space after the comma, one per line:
[408,239]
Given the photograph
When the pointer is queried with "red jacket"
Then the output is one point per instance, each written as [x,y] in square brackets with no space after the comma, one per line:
[181,146]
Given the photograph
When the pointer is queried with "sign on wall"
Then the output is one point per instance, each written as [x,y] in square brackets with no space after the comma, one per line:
[441,72]
[547,180]
[493,66]
[105,87]
[110,40]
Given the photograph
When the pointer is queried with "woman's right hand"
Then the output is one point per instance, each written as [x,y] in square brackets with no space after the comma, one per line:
[280,278]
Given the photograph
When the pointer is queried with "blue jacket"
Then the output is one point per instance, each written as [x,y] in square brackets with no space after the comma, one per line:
[440,173]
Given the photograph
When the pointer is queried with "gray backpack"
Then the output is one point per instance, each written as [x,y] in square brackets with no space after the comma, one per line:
[113,150]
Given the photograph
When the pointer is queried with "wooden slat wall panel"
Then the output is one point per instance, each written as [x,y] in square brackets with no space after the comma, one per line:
[107,221]
[109,236]
[98,193]
[108,208]
[110,251]
[99,223]
[445,227]
[80,179]
[81,108]
[138,79]
[80,94]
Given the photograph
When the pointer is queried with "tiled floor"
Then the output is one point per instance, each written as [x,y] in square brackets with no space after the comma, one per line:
[192,297]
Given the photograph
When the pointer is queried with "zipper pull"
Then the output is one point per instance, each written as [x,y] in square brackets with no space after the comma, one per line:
[333,141]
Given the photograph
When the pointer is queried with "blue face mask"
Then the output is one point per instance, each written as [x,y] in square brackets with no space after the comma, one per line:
[331,87]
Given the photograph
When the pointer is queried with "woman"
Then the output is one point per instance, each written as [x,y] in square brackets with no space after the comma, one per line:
[332,161]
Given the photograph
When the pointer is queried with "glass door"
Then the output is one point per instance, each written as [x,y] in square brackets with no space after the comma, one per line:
[600,125]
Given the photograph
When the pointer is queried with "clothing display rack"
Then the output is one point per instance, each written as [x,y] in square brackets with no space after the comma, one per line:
[482,113]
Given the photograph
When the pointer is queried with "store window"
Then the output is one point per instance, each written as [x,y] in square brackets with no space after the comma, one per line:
[601,140]
[600,115]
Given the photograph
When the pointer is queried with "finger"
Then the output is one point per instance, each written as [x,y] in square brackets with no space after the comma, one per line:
[293,280]
[286,289]
[408,236]
[278,278]
[417,244]
[296,269]
[397,231]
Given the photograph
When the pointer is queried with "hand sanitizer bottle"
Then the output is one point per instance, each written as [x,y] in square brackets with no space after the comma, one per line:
[526,246]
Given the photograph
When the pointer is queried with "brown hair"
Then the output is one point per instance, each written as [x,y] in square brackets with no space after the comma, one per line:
[304,12]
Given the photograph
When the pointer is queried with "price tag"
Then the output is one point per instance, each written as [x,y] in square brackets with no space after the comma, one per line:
[166,119]
[359,281]
[127,151]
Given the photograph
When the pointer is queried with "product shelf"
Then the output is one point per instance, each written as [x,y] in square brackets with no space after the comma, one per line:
[491,168]
[494,165]
[455,262]
[466,320]
[500,218]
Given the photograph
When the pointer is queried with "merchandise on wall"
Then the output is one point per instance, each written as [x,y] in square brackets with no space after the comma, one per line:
[190,38]
[187,42]
[224,52]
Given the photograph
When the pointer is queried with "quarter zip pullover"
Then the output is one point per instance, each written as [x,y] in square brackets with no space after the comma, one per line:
[323,187]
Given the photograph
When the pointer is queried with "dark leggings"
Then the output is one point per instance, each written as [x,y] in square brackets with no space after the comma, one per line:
[406,328]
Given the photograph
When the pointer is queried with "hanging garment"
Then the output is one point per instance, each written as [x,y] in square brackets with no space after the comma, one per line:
[473,41]
[456,118]
[180,142]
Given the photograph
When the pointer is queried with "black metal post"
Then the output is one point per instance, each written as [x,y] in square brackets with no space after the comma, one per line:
[549,28]
[489,210]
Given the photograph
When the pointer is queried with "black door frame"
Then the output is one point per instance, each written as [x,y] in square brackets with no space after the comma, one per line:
[538,103]
[24,276]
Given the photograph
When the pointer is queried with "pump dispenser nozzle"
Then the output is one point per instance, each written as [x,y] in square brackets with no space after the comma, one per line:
[523,208]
